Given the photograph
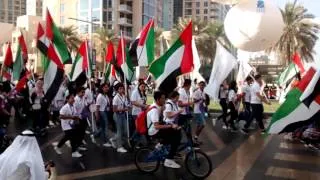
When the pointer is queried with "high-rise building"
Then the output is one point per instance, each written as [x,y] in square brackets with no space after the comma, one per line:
[34,7]
[177,10]
[10,10]
[167,11]
[206,10]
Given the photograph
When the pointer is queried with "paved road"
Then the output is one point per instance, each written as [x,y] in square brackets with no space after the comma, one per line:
[234,156]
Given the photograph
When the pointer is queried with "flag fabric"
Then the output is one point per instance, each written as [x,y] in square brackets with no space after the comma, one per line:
[244,71]
[287,74]
[21,58]
[22,81]
[7,64]
[146,41]
[124,60]
[294,112]
[197,64]
[82,66]
[110,58]
[43,45]
[178,60]
[223,64]
[297,60]
[112,71]
[58,55]
[142,48]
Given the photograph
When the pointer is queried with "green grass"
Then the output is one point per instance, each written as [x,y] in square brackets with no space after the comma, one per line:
[216,106]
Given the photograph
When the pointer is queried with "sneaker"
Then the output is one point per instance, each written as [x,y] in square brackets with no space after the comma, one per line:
[93,140]
[82,148]
[244,131]
[113,144]
[224,127]
[107,144]
[84,142]
[76,154]
[171,164]
[214,121]
[68,144]
[87,132]
[54,144]
[58,150]
[51,123]
[263,132]
[121,150]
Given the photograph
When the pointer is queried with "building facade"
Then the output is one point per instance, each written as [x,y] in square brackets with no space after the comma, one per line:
[167,11]
[34,7]
[206,10]
[11,9]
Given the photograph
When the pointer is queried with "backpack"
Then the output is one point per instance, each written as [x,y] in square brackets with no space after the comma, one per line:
[141,121]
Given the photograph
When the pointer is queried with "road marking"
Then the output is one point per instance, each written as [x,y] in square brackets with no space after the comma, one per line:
[285,145]
[297,158]
[291,173]
[239,163]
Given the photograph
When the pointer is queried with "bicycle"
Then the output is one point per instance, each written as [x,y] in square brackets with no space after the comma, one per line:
[148,159]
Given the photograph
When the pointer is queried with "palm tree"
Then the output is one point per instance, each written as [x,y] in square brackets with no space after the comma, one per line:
[299,35]
[205,34]
[71,37]
[100,39]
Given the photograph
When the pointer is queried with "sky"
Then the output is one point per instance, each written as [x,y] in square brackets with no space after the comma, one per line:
[313,7]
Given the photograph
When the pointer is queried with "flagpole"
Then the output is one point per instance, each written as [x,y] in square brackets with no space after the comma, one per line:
[126,88]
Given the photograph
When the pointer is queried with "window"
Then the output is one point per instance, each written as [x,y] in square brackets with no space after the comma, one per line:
[83,4]
[95,15]
[61,7]
[105,4]
[110,26]
[205,4]
[110,16]
[109,3]
[95,4]
[198,4]
[188,12]
[205,18]
[62,20]
[197,11]
[188,5]
[205,11]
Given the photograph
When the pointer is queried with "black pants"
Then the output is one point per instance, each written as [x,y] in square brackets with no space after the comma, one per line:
[185,122]
[81,128]
[224,106]
[257,113]
[170,137]
[70,135]
[234,115]
[247,109]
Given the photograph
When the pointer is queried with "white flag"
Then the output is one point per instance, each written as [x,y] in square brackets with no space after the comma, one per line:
[244,71]
[197,64]
[223,64]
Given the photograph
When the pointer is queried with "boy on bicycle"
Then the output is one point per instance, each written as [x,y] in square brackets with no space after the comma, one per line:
[168,133]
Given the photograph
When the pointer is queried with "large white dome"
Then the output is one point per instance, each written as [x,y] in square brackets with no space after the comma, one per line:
[250,30]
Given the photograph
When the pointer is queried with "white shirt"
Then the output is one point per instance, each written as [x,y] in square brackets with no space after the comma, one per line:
[88,96]
[246,91]
[232,95]
[255,88]
[119,101]
[198,95]
[223,93]
[68,111]
[80,104]
[153,116]
[170,107]
[59,99]
[184,97]
[103,102]
[135,96]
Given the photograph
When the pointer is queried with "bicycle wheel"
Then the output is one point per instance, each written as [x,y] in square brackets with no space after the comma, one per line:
[198,164]
[146,160]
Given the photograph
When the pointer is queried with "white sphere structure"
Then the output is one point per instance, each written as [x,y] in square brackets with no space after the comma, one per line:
[229,2]
[250,30]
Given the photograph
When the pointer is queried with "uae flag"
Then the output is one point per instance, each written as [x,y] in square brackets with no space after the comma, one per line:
[43,45]
[124,60]
[178,60]
[142,47]
[301,104]
[21,59]
[58,55]
[7,64]
[82,66]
